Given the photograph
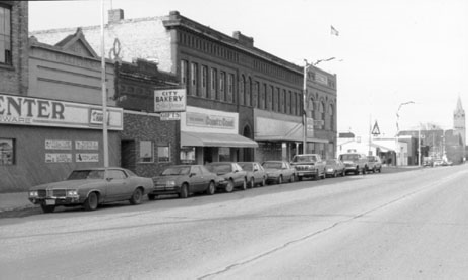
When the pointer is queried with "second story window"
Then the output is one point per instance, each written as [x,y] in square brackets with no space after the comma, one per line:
[204,81]
[214,81]
[193,79]
[5,34]
[184,71]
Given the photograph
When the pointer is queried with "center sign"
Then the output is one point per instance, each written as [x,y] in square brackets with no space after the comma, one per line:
[170,100]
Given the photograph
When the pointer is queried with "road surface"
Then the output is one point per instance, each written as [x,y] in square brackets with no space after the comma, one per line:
[394,225]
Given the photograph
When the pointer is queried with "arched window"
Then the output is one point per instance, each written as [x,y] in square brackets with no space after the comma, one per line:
[310,108]
[331,112]
[248,95]
[322,112]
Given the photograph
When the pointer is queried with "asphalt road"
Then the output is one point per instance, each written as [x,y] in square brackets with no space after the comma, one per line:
[403,225]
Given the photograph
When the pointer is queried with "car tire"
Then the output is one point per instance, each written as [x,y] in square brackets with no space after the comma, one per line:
[280,180]
[184,191]
[91,202]
[374,170]
[335,174]
[46,209]
[211,188]
[229,186]
[151,196]
[292,179]
[137,196]
[252,182]
[364,170]
[300,178]
[357,171]
[263,181]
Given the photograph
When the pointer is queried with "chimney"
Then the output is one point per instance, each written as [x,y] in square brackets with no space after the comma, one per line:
[242,39]
[115,15]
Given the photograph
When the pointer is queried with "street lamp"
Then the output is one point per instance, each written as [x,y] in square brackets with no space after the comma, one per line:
[398,129]
[304,102]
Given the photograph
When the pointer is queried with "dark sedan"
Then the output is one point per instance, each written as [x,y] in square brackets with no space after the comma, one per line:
[184,180]
[279,171]
[91,187]
[334,167]
[233,174]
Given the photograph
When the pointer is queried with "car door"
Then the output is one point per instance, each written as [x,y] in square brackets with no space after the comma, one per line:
[238,175]
[257,171]
[117,185]
[196,179]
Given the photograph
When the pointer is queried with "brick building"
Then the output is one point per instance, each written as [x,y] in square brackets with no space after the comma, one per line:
[243,103]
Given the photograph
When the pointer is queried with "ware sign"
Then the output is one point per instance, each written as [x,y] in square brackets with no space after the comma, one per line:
[173,100]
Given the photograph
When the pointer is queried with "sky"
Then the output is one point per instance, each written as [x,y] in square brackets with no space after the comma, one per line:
[387,52]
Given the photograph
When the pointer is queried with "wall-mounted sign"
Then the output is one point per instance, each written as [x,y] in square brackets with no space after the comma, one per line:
[173,100]
[321,78]
[96,116]
[58,158]
[20,110]
[86,145]
[53,144]
[87,158]
[207,120]
[170,116]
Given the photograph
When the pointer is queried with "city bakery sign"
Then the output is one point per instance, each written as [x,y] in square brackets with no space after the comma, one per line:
[20,110]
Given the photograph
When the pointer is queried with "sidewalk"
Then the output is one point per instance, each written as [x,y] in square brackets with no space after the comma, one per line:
[14,201]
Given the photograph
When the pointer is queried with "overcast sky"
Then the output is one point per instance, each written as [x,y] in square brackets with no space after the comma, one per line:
[388,52]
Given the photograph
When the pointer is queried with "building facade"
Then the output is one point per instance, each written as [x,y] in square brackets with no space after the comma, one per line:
[259,92]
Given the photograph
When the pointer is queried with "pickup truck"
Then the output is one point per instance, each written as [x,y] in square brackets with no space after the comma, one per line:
[309,165]
[355,162]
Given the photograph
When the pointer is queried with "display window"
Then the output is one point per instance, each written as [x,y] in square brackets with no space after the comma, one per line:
[7,151]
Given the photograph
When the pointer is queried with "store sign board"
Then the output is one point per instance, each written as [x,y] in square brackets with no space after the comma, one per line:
[170,116]
[58,158]
[174,100]
[54,144]
[87,157]
[86,145]
[208,120]
[20,110]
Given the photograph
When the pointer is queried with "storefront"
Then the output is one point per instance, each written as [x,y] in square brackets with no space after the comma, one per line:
[42,140]
[211,136]
[281,137]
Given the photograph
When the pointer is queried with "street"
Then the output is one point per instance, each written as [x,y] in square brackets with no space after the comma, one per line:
[394,225]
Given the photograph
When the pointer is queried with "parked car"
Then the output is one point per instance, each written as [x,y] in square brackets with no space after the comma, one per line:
[334,167]
[256,175]
[279,171]
[91,187]
[375,164]
[309,165]
[355,162]
[184,180]
[234,176]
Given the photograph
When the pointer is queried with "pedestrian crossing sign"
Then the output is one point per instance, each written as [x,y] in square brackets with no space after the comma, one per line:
[376,129]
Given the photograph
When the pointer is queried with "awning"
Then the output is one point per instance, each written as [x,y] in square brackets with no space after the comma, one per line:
[227,140]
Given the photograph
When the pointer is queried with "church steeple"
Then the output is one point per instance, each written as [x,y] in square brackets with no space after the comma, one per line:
[459,120]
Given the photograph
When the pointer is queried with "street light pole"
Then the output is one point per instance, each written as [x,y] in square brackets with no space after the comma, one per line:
[304,97]
[398,129]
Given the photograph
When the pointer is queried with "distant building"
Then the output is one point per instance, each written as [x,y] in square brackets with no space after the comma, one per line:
[243,103]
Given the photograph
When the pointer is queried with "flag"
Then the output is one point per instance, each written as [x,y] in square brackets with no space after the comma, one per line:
[333,31]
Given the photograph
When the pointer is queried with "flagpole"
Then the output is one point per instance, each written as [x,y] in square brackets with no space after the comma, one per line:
[104,95]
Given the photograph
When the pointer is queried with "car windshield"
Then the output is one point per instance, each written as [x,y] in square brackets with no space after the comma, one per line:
[272,165]
[176,170]
[349,157]
[86,174]
[219,168]
[246,166]
[304,159]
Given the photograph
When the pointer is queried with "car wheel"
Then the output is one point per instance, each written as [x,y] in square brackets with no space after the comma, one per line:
[91,202]
[263,181]
[364,170]
[136,196]
[151,196]
[335,174]
[211,188]
[184,191]
[47,208]
[293,178]
[300,178]
[374,170]
[229,186]
[380,170]
[280,179]
[251,182]
[244,184]
[357,171]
